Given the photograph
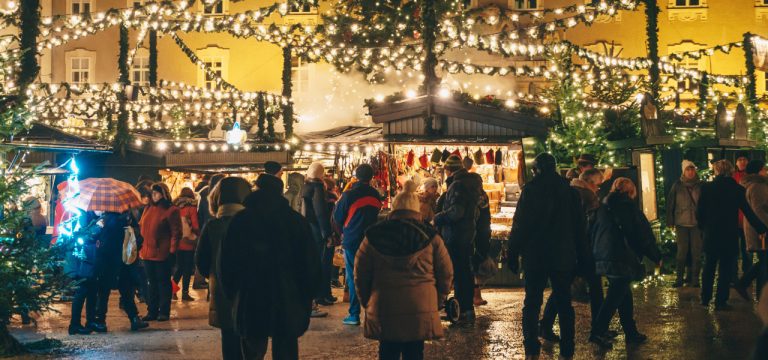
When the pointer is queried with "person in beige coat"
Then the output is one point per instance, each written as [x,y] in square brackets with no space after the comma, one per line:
[402,273]
[756,183]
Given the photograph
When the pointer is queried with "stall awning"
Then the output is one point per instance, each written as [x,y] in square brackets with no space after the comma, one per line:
[345,134]
[41,137]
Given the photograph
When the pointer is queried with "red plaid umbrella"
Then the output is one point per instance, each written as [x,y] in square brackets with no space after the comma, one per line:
[105,194]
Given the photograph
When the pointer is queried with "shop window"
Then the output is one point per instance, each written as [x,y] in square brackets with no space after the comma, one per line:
[765,82]
[686,85]
[140,69]
[79,6]
[220,7]
[687,10]
[300,72]
[524,4]
[136,3]
[647,186]
[683,3]
[80,66]
[217,60]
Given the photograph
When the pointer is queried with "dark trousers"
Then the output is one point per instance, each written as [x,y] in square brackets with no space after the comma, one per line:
[159,289]
[535,283]
[139,277]
[619,297]
[127,291]
[326,262]
[595,285]
[758,271]
[413,350]
[688,239]
[463,278]
[85,294]
[711,262]
[230,345]
[746,258]
[185,268]
[282,349]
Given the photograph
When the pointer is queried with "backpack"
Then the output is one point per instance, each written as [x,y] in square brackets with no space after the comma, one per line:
[130,246]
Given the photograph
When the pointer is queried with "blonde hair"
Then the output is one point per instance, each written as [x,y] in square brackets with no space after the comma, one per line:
[316,171]
[722,167]
[624,185]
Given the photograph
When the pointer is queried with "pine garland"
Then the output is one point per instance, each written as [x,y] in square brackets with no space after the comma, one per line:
[153,73]
[429,32]
[652,33]
[29,21]
[751,88]
[122,136]
[703,93]
[261,116]
[287,93]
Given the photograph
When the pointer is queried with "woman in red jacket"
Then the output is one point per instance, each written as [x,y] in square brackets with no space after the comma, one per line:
[161,229]
[185,257]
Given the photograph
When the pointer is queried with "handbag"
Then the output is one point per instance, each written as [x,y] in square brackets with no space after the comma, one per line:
[338,257]
[130,247]
[487,269]
[636,267]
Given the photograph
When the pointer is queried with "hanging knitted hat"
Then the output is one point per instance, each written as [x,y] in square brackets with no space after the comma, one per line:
[457,153]
[489,157]
[436,156]
[499,157]
[445,155]
[410,158]
[424,161]
[478,156]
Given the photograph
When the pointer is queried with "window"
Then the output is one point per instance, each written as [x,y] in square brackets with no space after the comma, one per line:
[136,3]
[525,4]
[685,3]
[140,70]
[79,6]
[303,9]
[299,75]
[80,70]
[216,59]
[218,8]
[765,77]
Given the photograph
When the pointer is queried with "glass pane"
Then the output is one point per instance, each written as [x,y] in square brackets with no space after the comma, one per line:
[84,77]
[75,8]
[693,2]
[86,8]
[136,76]
[532,4]
[217,64]
[75,77]
[680,2]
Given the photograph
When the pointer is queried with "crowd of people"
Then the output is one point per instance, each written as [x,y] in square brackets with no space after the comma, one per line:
[267,252]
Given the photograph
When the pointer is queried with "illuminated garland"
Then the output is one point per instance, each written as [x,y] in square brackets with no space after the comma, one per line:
[697,54]
[201,64]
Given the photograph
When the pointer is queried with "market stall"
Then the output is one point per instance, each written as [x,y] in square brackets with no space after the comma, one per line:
[420,133]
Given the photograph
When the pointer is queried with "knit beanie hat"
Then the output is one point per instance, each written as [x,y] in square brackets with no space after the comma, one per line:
[453,163]
[315,171]
[407,199]
[687,164]
[755,166]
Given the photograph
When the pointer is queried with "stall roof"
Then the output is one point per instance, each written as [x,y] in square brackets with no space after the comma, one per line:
[345,134]
[41,137]
[405,121]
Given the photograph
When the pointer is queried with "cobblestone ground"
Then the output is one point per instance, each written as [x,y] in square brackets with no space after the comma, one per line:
[677,326]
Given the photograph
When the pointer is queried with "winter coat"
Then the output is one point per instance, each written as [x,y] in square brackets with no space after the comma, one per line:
[272,268]
[589,205]
[682,201]
[315,206]
[618,223]
[428,204]
[188,212]
[208,261]
[203,210]
[109,251]
[482,231]
[293,191]
[161,230]
[402,272]
[739,176]
[548,226]
[458,218]
[718,215]
[357,209]
[82,265]
[757,197]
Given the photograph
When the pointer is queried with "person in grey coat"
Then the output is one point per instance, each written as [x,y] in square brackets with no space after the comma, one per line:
[756,184]
[226,200]
[681,215]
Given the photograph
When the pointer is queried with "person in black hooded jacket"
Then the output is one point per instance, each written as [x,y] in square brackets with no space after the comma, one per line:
[271,272]
[317,212]
[622,236]
[548,231]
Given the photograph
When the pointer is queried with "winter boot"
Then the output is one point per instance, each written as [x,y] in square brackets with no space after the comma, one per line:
[77,329]
[185,297]
[137,324]
[679,279]
[479,301]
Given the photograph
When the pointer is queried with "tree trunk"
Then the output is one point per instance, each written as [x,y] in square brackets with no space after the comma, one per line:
[8,344]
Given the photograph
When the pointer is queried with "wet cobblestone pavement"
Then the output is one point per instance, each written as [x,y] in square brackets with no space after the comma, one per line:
[677,327]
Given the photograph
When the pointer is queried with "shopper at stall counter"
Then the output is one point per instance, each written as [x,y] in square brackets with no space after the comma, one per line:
[271,272]
[457,222]
[161,229]
[548,232]
[357,210]
[226,200]
[402,273]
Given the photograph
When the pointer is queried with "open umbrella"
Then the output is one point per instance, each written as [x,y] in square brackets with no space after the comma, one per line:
[106,194]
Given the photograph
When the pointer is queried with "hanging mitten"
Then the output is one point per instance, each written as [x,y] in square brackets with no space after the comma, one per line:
[424,161]
[489,157]
[499,157]
[445,155]
[478,157]
[436,156]
[409,159]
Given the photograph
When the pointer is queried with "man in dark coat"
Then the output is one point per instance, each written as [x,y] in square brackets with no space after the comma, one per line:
[548,231]
[271,274]
[717,215]
[357,210]
[203,215]
[457,222]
